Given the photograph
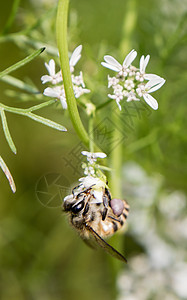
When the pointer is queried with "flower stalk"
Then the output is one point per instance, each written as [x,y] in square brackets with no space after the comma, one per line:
[61,33]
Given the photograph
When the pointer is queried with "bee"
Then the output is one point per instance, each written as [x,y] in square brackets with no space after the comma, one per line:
[95,220]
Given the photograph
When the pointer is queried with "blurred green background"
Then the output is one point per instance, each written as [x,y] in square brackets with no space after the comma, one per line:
[41,257]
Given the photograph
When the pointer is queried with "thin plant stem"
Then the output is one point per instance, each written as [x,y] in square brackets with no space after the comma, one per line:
[102,105]
[116,156]
[91,133]
[61,32]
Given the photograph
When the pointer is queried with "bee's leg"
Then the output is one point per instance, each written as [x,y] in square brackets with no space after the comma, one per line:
[104,213]
[85,191]
[76,187]
[86,209]
[108,194]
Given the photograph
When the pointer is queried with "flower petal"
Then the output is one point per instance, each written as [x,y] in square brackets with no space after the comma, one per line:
[51,92]
[158,86]
[151,77]
[108,66]
[150,101]
[51,67]
[154,84]
[85,153]
[89,181]
[143,63]
[100,154]
[63,102]
[118,104]
[112,62]
[129,58]
[46,78]
[76,55]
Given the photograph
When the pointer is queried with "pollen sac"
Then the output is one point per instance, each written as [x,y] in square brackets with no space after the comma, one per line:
[117,206]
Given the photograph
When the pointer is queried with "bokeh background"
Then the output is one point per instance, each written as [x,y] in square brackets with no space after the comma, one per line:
[41,257]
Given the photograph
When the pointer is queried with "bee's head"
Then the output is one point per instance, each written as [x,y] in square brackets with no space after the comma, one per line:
[73,205]
[77,207]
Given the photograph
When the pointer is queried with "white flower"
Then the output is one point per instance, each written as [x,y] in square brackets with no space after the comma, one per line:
[76,55]
[132,71]
[113,64]
[92,157]
[88,170]
[53,77]
[78,80]
[57,92]
[90,108]
[89,181]
[143,64]
[118,96]
[112,81]
[129,84]
[131,96]
[97,186]
[78,91]
[151,86]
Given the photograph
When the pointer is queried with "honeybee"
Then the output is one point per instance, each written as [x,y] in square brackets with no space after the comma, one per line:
[95,220]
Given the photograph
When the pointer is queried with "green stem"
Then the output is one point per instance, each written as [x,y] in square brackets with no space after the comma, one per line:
[91,133]
[116,157]
[61,31]
[100,106]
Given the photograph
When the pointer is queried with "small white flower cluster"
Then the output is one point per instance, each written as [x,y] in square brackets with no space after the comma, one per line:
[93,179]
[130,82]
[89,169]
[57,91]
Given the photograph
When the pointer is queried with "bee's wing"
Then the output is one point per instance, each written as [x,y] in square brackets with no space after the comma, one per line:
[108,248]
[89,242]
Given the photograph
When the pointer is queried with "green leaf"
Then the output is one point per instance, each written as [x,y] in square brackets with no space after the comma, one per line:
[19,84]
[8,175]
[7,132]
[12,16]
[46,121]
[22,62]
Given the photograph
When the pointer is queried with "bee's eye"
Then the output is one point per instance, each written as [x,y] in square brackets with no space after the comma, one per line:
[77,208]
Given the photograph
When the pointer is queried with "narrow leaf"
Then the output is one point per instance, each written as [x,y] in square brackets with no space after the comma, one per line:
[19,84]
[22,62]
[7,174]
[46,122]
[41,105]
[7,132]
[12,16]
